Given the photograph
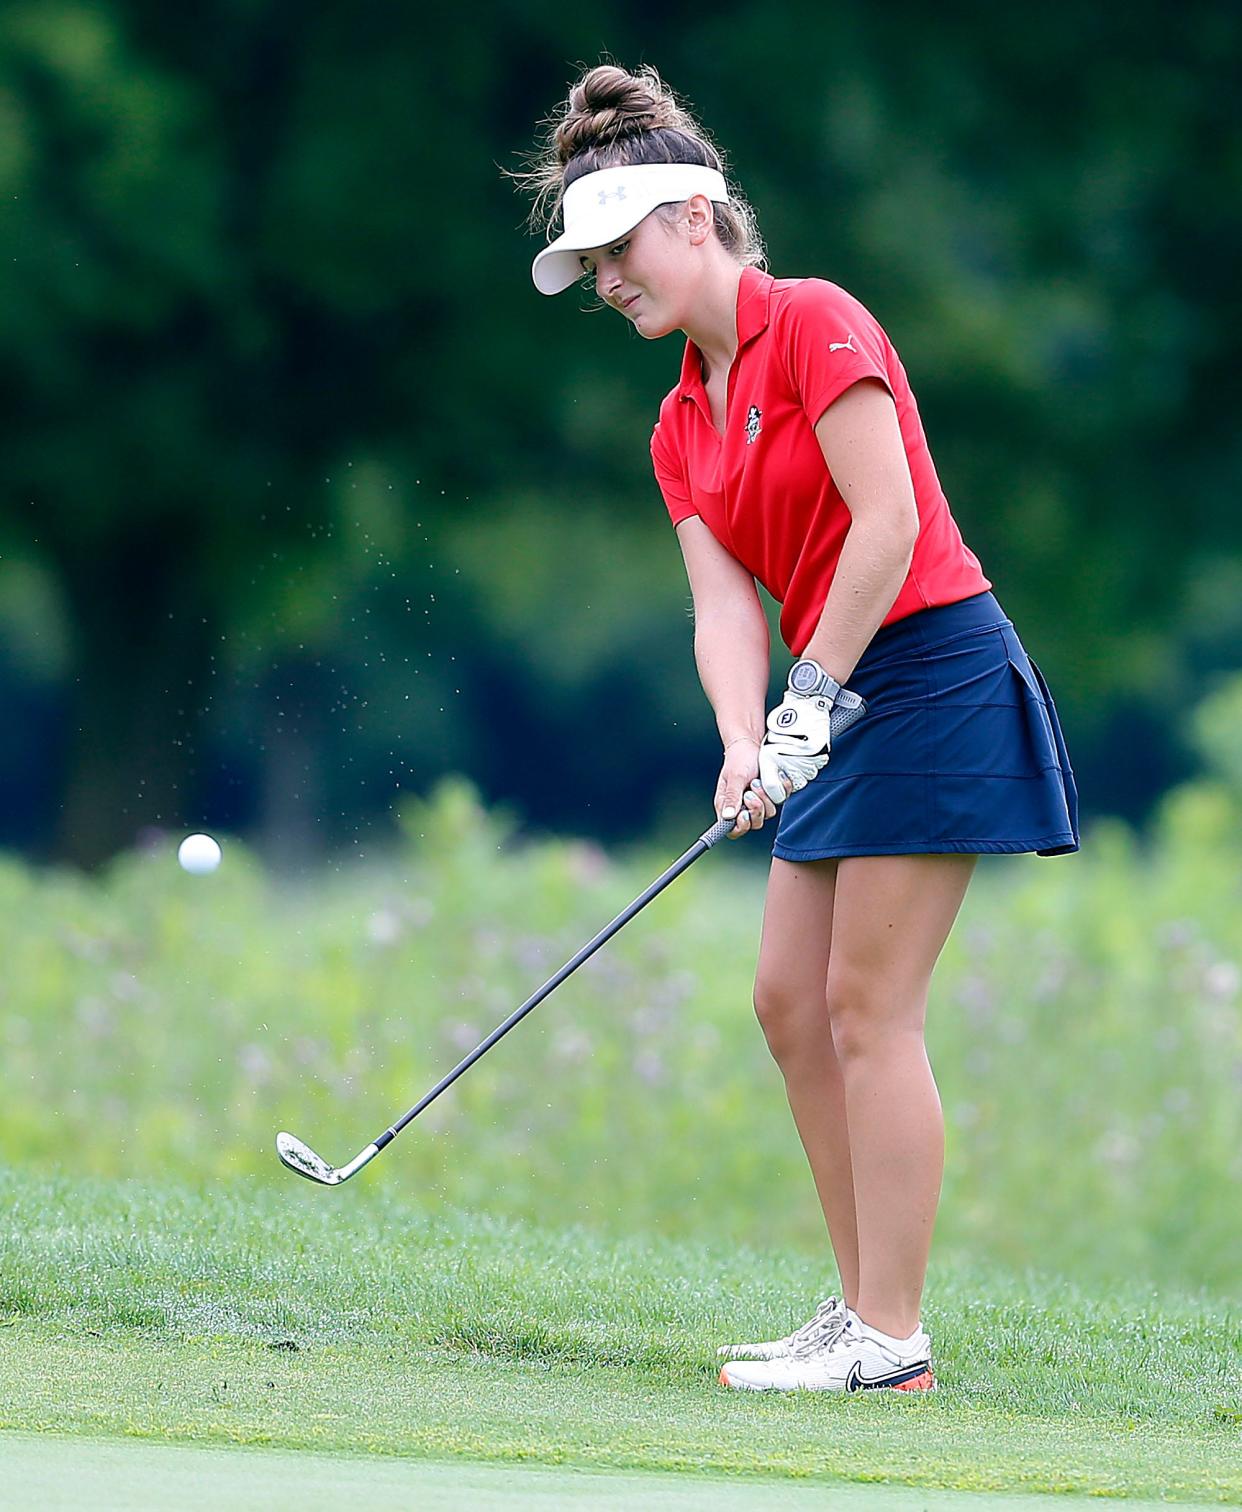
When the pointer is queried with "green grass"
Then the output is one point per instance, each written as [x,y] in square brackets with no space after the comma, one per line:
[480,1294]
[59,1474]
[1085,1028]
[270,1313]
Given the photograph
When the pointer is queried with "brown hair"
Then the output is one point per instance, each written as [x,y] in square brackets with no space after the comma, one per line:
[613,119]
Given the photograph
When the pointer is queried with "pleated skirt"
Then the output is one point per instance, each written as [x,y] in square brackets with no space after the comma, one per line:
[960,749]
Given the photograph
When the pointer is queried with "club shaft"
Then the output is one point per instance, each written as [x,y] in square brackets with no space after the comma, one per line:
[700,847]
[849,708]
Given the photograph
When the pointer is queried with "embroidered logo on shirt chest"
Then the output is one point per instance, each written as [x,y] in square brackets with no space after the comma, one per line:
[754,423]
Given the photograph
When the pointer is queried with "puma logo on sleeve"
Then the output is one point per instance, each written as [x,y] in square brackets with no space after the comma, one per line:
[844,346]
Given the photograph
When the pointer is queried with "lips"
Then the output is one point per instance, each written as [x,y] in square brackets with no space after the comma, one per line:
[627,303]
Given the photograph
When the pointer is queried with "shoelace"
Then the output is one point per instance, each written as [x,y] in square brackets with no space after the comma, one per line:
[847,1332]
[829,1320]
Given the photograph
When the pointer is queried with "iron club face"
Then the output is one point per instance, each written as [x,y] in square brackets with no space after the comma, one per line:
[301,1158]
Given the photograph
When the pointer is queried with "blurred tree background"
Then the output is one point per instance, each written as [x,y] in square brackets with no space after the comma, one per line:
[308,497]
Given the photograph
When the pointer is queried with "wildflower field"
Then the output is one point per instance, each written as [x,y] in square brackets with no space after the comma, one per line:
[1085,1028]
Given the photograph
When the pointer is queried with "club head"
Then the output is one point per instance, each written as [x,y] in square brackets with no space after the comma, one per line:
[302,1159]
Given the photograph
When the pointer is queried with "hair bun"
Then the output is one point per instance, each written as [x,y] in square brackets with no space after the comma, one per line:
[607,103]
[614,119]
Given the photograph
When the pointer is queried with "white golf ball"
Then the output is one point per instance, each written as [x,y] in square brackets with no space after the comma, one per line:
[199,854]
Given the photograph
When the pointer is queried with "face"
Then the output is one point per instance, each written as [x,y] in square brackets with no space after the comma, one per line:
[646,276]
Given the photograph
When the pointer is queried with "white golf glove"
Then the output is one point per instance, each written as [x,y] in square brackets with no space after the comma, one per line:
[798,740]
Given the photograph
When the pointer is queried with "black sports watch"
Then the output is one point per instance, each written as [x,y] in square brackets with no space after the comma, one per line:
[809,679]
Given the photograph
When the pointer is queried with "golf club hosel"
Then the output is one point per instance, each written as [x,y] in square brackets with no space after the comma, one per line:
[363,1157]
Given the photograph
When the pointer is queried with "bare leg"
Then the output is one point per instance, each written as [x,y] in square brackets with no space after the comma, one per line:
[790,1002]
[891,917]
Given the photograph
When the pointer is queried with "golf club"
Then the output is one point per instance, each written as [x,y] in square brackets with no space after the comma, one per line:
[301,1158]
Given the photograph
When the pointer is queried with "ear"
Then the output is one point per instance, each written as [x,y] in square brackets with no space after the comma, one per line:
[699,218]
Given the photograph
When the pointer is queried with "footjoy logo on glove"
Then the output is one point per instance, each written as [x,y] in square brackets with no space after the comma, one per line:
[787,717]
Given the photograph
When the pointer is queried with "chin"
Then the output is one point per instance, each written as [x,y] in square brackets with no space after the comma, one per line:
[651,330]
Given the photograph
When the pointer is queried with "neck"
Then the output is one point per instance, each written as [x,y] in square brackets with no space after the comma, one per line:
[713,328]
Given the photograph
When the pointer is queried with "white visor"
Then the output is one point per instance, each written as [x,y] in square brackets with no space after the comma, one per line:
[600,207]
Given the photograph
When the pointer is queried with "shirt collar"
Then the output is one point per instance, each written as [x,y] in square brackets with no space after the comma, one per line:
[754,294]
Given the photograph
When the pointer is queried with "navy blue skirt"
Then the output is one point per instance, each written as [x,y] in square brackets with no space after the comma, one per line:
[960,749]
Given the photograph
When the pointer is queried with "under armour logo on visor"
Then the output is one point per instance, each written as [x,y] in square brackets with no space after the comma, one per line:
[606,194]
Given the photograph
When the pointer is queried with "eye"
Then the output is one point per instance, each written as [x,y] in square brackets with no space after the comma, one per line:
[617,251]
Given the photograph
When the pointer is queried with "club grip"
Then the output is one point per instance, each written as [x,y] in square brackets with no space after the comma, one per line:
[847,710]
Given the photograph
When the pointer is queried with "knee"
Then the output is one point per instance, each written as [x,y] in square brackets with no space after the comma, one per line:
[866,1011]
[855,1012]
[792,1021]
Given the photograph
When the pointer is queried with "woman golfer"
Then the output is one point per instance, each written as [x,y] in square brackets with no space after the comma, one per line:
[791,452]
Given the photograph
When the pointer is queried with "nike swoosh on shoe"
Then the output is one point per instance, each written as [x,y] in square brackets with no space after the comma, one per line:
[904,1379]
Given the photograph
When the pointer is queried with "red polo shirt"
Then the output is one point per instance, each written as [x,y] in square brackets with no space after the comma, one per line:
[764,490]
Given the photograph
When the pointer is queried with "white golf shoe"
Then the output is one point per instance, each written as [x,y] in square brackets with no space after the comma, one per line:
[823,1327]
[857,1358]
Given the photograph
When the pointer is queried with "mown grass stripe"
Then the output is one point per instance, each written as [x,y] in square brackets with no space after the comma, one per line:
[260,1316]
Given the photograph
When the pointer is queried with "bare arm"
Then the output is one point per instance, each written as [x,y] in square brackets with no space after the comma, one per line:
[731,643]
[731,650]
[860,436]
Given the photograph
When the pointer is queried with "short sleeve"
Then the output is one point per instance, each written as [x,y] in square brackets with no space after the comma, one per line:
[830,341]
[671,476]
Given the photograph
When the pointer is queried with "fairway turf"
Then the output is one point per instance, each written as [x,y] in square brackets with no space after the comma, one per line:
[297,1319]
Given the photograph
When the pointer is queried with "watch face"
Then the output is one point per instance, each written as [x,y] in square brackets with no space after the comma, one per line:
[804,676]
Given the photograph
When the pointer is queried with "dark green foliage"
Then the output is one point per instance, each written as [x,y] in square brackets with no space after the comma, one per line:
[285,422]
